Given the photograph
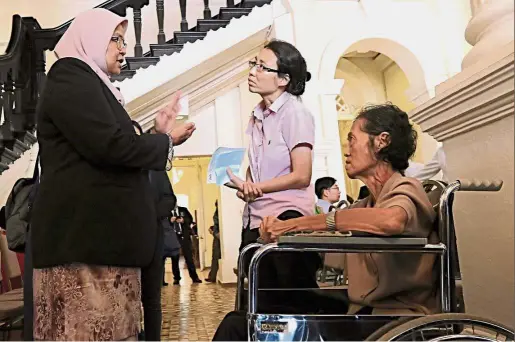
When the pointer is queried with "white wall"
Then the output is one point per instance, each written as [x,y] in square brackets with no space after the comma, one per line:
[228,124]
[204,139]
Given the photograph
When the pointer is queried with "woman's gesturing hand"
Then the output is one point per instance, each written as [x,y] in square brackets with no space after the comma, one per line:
[166,118]
[247,191]
[166,122]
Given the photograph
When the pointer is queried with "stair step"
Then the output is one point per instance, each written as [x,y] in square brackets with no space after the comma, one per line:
[189,36]
[29,138]
[126,73]
[3,167]
[159,50]
[20,147]
[254,3]
[204,25]
[8,156]
[135,63]
[227,13]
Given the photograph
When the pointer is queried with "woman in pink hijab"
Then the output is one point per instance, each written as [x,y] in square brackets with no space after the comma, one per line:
[94,222]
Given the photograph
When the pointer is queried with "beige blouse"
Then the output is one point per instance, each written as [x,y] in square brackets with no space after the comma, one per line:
[397,281]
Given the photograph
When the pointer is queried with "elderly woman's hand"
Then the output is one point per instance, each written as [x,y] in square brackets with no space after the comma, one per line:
[247,191]
[271,228]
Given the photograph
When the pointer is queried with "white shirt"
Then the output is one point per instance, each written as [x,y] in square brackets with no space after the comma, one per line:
[324,205]
[175,213]
[436,164]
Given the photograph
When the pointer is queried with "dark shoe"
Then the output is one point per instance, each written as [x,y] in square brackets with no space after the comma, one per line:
[176,282]
[165,283]
[210,280]
[198,281]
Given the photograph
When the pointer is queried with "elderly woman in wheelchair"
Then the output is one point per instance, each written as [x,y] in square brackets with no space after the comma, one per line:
[381,142]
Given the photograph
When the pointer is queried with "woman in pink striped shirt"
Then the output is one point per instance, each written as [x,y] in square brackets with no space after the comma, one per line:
[282,136]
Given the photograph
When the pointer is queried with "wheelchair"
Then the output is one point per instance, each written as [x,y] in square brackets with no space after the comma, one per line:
[451,324]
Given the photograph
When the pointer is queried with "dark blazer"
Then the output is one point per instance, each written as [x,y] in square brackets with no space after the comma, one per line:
[94,204]
[165,202]
[163,194]
[188,220]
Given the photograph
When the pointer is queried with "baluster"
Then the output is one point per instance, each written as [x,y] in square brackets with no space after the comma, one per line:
[184,22]
[18,122]
[40,75]
[1,100]
[138,49]
[230,3]
[5,131]
[207,11]
[2,117]
[160,6]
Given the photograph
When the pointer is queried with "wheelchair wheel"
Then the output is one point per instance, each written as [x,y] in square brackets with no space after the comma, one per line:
[376,336]
[448,327]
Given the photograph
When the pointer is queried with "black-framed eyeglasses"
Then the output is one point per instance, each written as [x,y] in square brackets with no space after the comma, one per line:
[261,67]
[120,42]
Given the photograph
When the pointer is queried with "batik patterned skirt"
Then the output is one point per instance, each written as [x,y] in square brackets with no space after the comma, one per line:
[85,302]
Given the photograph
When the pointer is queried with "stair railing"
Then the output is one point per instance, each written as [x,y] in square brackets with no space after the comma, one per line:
[23,73]
[23,69]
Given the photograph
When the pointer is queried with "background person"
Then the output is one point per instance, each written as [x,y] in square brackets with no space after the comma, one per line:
[182,221]
[216,253]
[328,194]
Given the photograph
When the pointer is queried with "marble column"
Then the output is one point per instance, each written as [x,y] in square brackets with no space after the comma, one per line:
[472,113]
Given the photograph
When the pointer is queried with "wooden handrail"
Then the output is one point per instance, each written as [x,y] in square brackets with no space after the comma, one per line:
[22,72]
[15,45]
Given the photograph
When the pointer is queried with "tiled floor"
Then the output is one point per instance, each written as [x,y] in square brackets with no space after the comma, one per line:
[192,312]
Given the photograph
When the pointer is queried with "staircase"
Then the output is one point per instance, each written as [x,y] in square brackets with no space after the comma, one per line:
[23,68]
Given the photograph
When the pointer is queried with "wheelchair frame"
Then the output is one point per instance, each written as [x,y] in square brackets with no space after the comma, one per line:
[278,327]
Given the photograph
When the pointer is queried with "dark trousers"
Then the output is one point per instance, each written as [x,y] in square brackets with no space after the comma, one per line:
[287,270]
[187,252]
[28,301]
[216,254]
[277,270]
[151,277]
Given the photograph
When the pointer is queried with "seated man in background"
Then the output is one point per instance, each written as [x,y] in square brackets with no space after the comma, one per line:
[328,194]
[381,141]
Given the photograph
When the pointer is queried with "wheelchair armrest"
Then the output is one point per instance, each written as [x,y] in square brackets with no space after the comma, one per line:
[365,240]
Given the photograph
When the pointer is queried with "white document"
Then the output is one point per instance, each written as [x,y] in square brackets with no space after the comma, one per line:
[185,105]
[223,158]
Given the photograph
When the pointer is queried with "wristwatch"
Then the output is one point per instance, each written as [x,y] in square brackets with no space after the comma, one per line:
[330,221]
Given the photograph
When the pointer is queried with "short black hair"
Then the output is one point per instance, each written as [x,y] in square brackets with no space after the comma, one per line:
[290,62]
[403,137]
[322,184]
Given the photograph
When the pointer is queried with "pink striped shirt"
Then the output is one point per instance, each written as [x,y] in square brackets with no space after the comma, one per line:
[274,133]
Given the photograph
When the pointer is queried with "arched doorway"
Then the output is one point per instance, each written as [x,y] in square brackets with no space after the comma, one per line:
[377,70]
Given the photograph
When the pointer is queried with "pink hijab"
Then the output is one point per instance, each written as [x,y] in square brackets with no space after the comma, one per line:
[87,39]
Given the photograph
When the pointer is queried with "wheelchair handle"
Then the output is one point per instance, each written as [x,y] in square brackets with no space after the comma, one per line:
[478,185]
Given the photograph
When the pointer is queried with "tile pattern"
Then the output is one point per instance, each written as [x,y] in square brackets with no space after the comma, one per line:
[192,312]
